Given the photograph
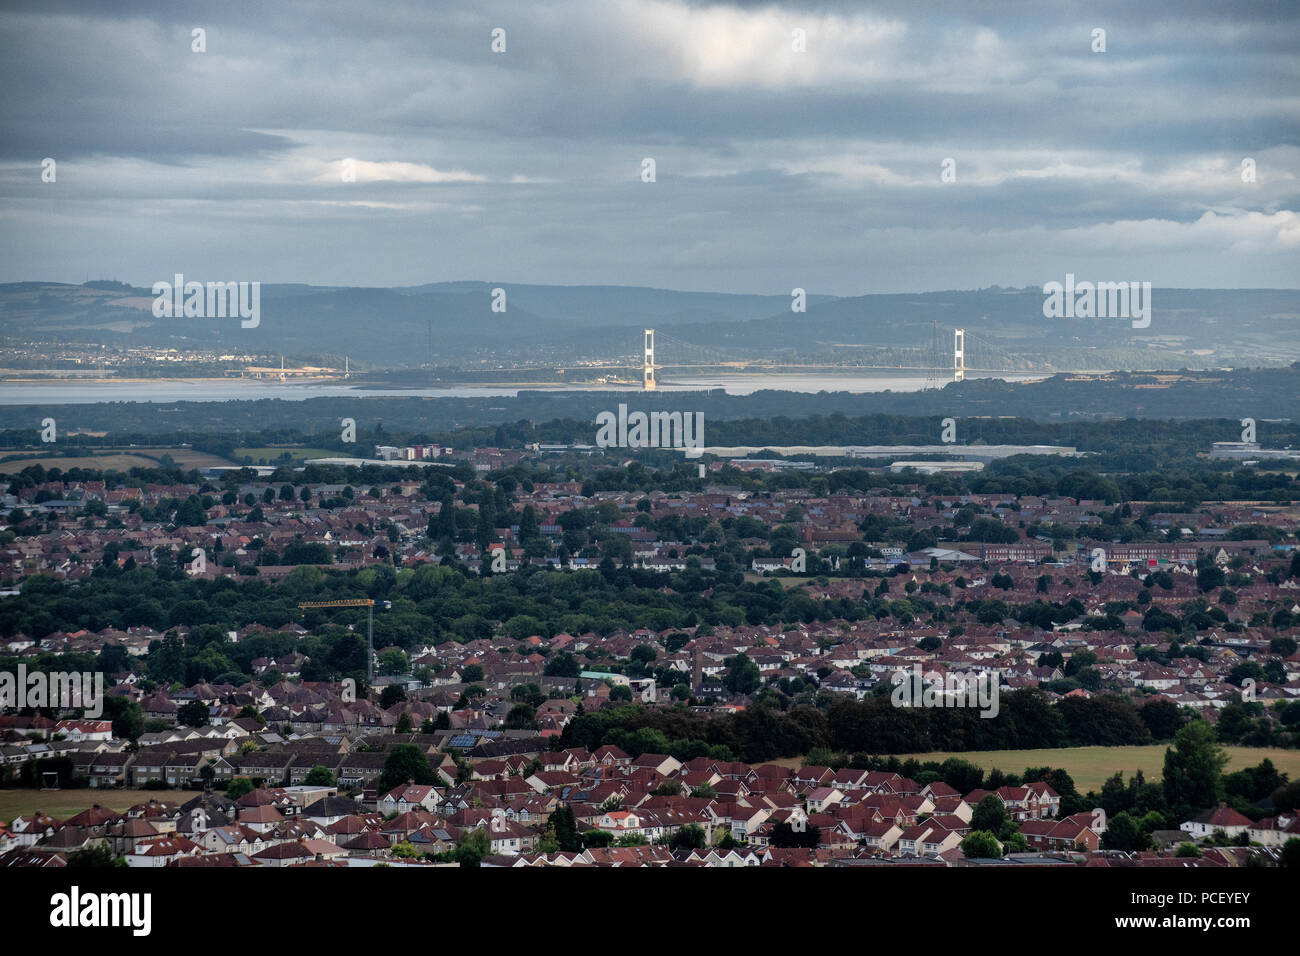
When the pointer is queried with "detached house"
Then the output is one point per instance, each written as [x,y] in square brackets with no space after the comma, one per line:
[409,796]
[1076,831]
[163,851]
[1222,818]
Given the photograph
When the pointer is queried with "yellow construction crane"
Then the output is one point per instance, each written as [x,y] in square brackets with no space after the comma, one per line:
[370,625]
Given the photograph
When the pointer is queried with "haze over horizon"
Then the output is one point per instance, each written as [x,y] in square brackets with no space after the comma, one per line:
[774,168]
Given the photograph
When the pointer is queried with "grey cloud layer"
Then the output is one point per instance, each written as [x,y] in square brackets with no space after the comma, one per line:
[775,168]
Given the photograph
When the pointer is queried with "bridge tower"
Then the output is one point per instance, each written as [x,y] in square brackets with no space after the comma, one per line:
[959,355]
[649,366]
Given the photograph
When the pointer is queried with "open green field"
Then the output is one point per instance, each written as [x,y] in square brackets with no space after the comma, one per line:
[62,804]
[191,458]
[1090,766]
[101,462]
[119,459]
[273,454]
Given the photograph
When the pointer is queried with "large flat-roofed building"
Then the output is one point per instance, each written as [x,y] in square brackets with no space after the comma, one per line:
[1145,553]
[972,452]
[937,467]
[1250,451]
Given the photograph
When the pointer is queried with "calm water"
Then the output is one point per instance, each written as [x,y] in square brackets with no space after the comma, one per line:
[75,393]
[873,382]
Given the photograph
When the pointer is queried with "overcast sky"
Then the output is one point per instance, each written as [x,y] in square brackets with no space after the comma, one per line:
[775,168]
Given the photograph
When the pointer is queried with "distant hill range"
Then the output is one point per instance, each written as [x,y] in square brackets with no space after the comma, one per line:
[453,324]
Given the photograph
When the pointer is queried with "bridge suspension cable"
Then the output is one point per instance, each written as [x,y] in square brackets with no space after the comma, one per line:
[949,354]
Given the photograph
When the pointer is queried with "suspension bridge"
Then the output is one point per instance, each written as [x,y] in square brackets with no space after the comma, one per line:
[948,355]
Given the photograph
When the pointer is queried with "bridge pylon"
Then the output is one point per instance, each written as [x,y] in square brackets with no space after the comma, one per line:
[648,367]
[959,355]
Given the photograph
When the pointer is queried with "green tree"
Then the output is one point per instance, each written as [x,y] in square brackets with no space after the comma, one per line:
[741,675]
[1209,578]
[471,673]
[566,829]
[250,712]
[1123,833]
[689,837]
[528,527]
[562,664]
[1193,775]
[1162,717]
[644,654]
[98,856]
[1291,853]
[980,844]
[127,717]
[405,762]
[990,815]
[521,717]
[319,776]
[786,836]
[394,663]
[473,846]
[167,662]
[391,694]
[547,843]
[193,714]
[191,513]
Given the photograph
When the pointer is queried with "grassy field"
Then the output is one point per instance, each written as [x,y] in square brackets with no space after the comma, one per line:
[190,458]
[1090,766]
[120,459]
[794,582]
[102,462]
[272,454]
[62,804]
